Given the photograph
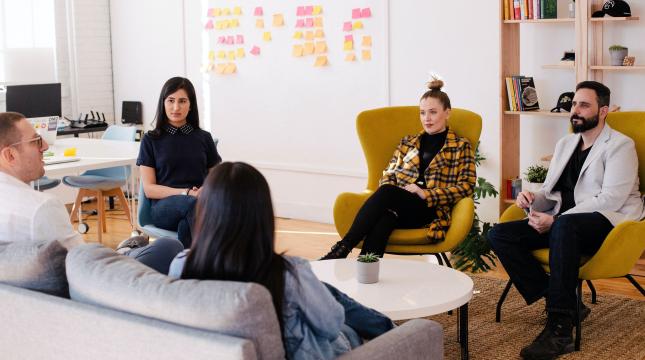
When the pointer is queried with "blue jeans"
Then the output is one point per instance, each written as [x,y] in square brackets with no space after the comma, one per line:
[175,213]
[158,254]
[365,322]
[570,237]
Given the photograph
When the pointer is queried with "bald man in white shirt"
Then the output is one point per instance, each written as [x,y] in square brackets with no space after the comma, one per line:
[29,215]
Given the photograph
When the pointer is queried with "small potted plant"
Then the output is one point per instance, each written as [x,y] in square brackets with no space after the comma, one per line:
[367,268]
[617,53]
[534,177]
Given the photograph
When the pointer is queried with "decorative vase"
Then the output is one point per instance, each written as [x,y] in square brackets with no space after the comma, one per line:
[617,56]
[530,186]
[367,273]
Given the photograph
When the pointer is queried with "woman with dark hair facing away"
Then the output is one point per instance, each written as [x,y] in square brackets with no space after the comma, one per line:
[427,175]
[234,238]
[175,158]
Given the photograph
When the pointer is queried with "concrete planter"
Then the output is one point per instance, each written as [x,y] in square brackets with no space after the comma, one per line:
[617,56]
[367,273]
[532,187]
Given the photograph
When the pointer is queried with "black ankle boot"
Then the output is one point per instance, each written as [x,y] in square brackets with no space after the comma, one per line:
[339,251]
[556,339]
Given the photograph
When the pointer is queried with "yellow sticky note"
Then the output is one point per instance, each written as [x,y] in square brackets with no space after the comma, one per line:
[219,25]
[237,10]
[321,47]
[350,57]
[234,23]
[298,51]
[297,35]
[321,61]
[69,152]
[259,23]
[217,12]
[278,20]
[319,34]
[231,55]
[366,55]
[266,36]
[367,40]
[317,10]
[211,56]
[309,48]
[349,45]
[230,68]
[226,24]
[240,53]
[358,25]
[318,22]
[226,12]
[309,35]
[221,54]
[219,68]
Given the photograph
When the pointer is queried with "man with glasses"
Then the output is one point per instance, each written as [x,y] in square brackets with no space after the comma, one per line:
[29,215]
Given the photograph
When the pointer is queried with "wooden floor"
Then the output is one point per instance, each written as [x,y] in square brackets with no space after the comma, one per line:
[311,240]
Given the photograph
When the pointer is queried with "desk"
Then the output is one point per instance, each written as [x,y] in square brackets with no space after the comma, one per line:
[68,130]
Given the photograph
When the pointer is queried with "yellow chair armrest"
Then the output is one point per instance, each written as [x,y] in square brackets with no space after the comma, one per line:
[461,221]
[345,209]
[512,213]
[618,253]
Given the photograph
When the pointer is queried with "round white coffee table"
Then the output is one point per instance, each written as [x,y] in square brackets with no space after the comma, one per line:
[406,289]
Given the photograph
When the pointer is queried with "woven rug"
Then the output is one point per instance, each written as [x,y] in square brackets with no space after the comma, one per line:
[614,330]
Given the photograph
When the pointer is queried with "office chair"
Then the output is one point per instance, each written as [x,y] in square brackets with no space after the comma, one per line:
[45,183]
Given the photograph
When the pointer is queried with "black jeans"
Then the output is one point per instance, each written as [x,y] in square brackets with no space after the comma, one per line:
[390,207]
[158,255]
[571,236]
[175,213]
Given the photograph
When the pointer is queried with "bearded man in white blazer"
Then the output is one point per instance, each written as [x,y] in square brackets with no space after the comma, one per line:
[591,186]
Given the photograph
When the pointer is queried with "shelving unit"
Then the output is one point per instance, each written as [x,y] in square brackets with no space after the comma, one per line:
[589,65]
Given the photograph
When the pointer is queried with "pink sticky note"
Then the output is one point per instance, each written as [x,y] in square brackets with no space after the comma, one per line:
[309,10]
[309,22]
[258,11]
[255,51]
[221,40]
[356,13]
[209,25]
[349,37]
[300,23]
[230,40]
[347,26]
[300,11]
[239,39]
[366,13]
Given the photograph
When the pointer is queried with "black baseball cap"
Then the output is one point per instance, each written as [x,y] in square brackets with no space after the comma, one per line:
[616,8]
[564,102]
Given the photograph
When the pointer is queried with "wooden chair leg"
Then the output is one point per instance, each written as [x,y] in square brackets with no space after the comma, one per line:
[76,206]
[124,204]
[498,311]
[101,212]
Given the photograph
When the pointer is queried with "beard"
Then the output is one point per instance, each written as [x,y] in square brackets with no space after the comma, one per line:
[586,124]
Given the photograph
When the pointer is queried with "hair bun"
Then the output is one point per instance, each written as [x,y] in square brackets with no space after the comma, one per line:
[435,84]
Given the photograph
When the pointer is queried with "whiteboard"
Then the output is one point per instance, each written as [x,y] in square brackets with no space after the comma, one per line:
[279,111]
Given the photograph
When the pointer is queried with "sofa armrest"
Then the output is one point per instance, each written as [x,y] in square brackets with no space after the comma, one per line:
[415,339]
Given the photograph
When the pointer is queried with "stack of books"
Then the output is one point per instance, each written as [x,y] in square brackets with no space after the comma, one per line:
[530,9]
[513,188]
[521,93]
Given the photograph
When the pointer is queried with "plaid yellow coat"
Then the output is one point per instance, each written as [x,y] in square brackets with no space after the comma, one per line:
[449,177]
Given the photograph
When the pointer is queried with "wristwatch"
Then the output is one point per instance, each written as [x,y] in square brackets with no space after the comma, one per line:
[185,192]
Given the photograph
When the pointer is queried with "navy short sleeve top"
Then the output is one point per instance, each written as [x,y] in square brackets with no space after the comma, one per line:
[181,159]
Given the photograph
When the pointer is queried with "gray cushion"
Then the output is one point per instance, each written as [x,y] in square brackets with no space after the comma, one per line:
[38,266]
[100,276]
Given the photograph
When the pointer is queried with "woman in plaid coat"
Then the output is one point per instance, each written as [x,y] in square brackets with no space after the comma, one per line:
[427,175]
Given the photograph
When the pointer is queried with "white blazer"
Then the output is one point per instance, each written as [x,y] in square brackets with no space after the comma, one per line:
[608,181]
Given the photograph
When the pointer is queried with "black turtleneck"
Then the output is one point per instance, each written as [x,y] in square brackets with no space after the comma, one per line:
[429,146]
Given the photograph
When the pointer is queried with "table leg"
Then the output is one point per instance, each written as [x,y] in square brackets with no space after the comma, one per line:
[463,330]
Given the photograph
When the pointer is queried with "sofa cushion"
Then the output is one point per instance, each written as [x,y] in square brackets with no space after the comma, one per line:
[99,276]
[34,265]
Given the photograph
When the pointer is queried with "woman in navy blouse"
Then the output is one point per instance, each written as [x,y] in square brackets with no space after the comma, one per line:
[175,158]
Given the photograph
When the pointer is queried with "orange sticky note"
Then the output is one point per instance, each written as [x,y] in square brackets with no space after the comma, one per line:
[358,25]
[219,68]
[318,22]
[240,53]
[278,20]
[221,54]
[317,10]
[309,35]
[321,47]
[259,23]
[298,51]
[231,55]
[348,46]
[230,68]
[350,57]
[237,10]
[266,36]
[367,40]
[366,55]
[319,34]
[309,48]
[297,35]
[321,61]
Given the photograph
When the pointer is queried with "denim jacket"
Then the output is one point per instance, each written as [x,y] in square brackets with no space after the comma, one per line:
[312,317]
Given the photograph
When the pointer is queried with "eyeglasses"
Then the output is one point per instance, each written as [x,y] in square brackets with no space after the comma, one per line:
[38,139]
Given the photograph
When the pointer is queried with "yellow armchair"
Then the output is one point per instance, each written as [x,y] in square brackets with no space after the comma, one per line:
[624,244]
[380,131]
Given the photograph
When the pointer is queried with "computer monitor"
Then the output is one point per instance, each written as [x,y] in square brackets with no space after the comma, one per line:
[131,112]
[41,105]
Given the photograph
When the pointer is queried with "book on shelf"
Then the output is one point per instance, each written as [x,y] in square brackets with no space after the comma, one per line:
[516,10]
[530,9]
[507,15]
[549,9]
[521,93]
[513,188]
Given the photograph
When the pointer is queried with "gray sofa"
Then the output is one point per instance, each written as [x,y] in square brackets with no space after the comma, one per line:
[120,309]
